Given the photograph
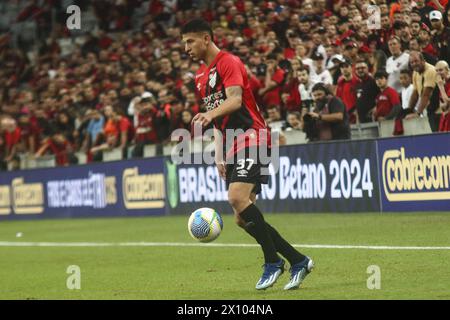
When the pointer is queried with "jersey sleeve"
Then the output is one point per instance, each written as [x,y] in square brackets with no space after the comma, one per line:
[232,72]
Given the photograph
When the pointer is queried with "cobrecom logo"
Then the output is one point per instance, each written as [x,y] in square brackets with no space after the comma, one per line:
[28,198]
[420,178]
[142,191]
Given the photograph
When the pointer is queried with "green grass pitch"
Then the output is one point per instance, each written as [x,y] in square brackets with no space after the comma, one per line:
[206,272]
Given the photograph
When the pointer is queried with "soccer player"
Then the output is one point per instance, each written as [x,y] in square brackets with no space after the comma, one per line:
[222,83]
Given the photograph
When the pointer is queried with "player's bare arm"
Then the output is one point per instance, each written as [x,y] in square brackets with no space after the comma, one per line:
[218,156]
[230,105]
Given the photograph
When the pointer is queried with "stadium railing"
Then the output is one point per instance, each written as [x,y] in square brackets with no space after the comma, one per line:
[411,127]
[113,154]
[31,162]
[82,157]
[365,131]
[358,131]
[149,151]
[295,137]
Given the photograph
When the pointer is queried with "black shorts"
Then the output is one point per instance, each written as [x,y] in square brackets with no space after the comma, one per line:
[247,169]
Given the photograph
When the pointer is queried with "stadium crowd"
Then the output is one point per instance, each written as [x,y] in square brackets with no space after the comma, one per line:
[315,66]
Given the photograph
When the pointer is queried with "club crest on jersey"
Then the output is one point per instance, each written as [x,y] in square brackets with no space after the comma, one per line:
[212,79]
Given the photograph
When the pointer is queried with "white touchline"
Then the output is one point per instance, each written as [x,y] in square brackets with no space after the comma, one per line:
[186,244]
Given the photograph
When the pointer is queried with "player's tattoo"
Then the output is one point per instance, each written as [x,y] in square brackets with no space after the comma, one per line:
[234,91]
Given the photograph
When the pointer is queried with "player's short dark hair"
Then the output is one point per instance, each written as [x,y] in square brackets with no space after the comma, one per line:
[197,25]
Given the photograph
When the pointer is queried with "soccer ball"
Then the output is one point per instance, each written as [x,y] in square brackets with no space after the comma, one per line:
[205,224]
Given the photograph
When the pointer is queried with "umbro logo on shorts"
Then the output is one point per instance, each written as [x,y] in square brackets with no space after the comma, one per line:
[242,173]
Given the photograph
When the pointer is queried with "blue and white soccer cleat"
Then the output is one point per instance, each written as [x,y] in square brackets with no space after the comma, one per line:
[270,275]
[298,273]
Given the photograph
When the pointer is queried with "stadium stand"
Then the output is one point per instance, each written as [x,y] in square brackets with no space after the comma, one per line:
[55,83]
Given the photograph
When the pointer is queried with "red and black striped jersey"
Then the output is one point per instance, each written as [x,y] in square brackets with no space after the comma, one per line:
[211,81]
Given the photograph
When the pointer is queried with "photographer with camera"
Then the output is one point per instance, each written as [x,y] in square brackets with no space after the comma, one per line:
[329,119]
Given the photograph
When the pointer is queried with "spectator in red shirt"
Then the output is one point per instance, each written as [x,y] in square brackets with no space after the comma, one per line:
[3,163]
[10,135]
[441,36]
[414,45]
[443,82]
[123,124]
[292,40]
[290,95]
[425,41]
[146,131]
[60,147]
[26,140]
[255,83]
[274,80]
[176,107]
[346,88]
[388,104]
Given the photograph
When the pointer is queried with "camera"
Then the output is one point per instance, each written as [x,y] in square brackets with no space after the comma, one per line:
[261,69]
[310,127]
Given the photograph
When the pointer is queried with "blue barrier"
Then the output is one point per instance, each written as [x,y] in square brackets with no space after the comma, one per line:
[122,188]
[415,173]
[392,174]
[322,177]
